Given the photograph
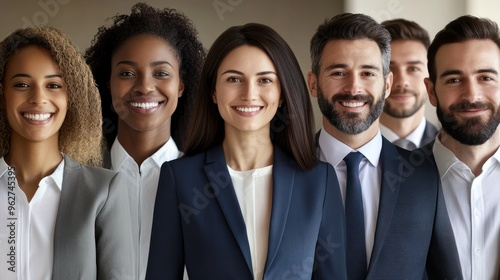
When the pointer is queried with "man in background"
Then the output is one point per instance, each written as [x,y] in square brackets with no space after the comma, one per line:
[403,121]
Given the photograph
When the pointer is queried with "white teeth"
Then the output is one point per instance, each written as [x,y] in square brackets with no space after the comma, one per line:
[352,104]
[147,105]
[37,117]
[248,109]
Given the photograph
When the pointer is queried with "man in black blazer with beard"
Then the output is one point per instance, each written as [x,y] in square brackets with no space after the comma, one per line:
[399,217]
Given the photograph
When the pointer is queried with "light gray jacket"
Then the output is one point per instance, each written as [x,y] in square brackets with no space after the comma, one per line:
[93,236]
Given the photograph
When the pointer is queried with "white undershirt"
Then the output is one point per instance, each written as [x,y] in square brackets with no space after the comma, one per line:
[254,190]
[144,180]
[32,223]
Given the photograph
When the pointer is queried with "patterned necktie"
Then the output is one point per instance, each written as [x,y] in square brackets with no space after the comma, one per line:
[355,220]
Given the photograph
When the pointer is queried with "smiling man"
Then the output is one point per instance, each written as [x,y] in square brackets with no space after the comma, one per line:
[464,86]
[403,121]
[396,221]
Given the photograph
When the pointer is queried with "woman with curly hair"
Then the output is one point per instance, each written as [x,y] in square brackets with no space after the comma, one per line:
[146,66]
[61,218]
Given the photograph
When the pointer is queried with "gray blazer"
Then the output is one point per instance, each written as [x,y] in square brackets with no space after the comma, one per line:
[93,237]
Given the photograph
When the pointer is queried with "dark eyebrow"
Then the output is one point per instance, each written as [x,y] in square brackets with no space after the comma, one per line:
[28,76]
[131,63]
[341,65]
[241,73]
[450,72]
[487,70]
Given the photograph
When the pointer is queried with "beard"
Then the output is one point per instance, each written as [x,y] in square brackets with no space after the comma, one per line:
[396,112]
[472,131]
[348,122]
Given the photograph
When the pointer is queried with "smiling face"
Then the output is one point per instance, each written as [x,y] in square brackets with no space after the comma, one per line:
[350,86]
[467,90]
[145,84]
[409,68]
[247,90]
[35,95]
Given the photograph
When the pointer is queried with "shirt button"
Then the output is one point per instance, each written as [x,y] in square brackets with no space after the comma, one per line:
[478,213]
[477,251]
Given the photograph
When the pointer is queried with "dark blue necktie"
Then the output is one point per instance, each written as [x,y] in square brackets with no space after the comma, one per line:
[355,220]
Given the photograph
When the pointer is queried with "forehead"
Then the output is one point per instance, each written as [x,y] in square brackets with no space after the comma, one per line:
[31,57]
[468,55]
[408,50]
[144,47]
[352,53]
[247,57]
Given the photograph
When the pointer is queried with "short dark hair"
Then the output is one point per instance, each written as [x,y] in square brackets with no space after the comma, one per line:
[459,30]
[402,29]
[168,24]
[348,26]
[291,127]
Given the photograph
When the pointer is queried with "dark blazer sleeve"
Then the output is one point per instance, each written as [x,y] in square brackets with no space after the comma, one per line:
[166,253]
[330,249]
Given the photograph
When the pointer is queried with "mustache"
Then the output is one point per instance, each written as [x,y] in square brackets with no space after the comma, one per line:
[351,97]
[466,105]
[402,91]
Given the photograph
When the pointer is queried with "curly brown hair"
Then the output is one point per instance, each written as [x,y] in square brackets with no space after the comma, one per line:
[168,24]
[80,135]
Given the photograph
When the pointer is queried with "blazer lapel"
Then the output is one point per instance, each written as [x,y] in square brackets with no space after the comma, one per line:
[216,168]
[391,180]
[283,179]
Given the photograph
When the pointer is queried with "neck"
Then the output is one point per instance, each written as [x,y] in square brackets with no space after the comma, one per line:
[142,144]
[248,150]
[355,141]
[473,156]
[403,126]
[32,162]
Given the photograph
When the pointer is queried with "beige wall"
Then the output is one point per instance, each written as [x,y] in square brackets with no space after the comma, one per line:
[295,20]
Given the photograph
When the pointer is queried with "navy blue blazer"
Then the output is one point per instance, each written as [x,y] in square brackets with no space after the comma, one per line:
[413,231]
[198,222]
[429,135]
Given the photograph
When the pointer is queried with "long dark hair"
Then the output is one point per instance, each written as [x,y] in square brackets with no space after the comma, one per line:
[291,127]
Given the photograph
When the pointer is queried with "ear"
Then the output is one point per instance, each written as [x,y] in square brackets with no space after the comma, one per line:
[388,84]
[429,85]
[312,82]
[181,88]
[214,98]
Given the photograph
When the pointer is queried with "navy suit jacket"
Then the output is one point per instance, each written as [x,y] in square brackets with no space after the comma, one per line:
[413,231]
[198,222]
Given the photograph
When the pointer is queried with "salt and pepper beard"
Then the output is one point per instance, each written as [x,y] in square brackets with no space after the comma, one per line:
[351,123]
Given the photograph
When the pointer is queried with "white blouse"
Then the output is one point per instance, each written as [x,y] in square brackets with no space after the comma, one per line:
[254,190]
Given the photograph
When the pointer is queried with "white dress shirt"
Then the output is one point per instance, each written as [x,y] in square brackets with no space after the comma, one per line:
[333,151]
[473,205]
[254,190]
[144,180]
[27,229]
[415,136]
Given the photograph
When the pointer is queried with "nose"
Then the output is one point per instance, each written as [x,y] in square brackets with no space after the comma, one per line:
[38,95]
[144,84]
[353,84]
[399,79]
[471,91]
[249,92]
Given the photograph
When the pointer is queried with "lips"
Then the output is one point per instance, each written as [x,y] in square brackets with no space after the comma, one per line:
[144,105]
[37,117]
[352,104]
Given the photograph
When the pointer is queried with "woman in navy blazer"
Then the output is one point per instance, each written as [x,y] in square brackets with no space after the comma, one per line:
[249,200]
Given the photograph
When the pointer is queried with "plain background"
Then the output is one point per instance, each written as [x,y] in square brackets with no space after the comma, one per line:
[295,20]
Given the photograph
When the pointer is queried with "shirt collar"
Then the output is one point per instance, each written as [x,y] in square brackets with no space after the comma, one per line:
[415,136]
[446,159]
[334,151]
[167,152]
[56,176]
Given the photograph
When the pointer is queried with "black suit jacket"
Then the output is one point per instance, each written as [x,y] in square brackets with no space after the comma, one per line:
[429,135]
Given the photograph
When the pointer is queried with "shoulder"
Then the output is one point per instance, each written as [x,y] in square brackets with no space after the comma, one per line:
[87,175]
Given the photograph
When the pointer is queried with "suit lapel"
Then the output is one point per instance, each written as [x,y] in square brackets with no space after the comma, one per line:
[283,179]
[216,168]
[388,195]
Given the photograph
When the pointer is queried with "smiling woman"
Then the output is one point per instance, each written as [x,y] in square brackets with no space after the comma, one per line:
[65,220]
[250,189]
